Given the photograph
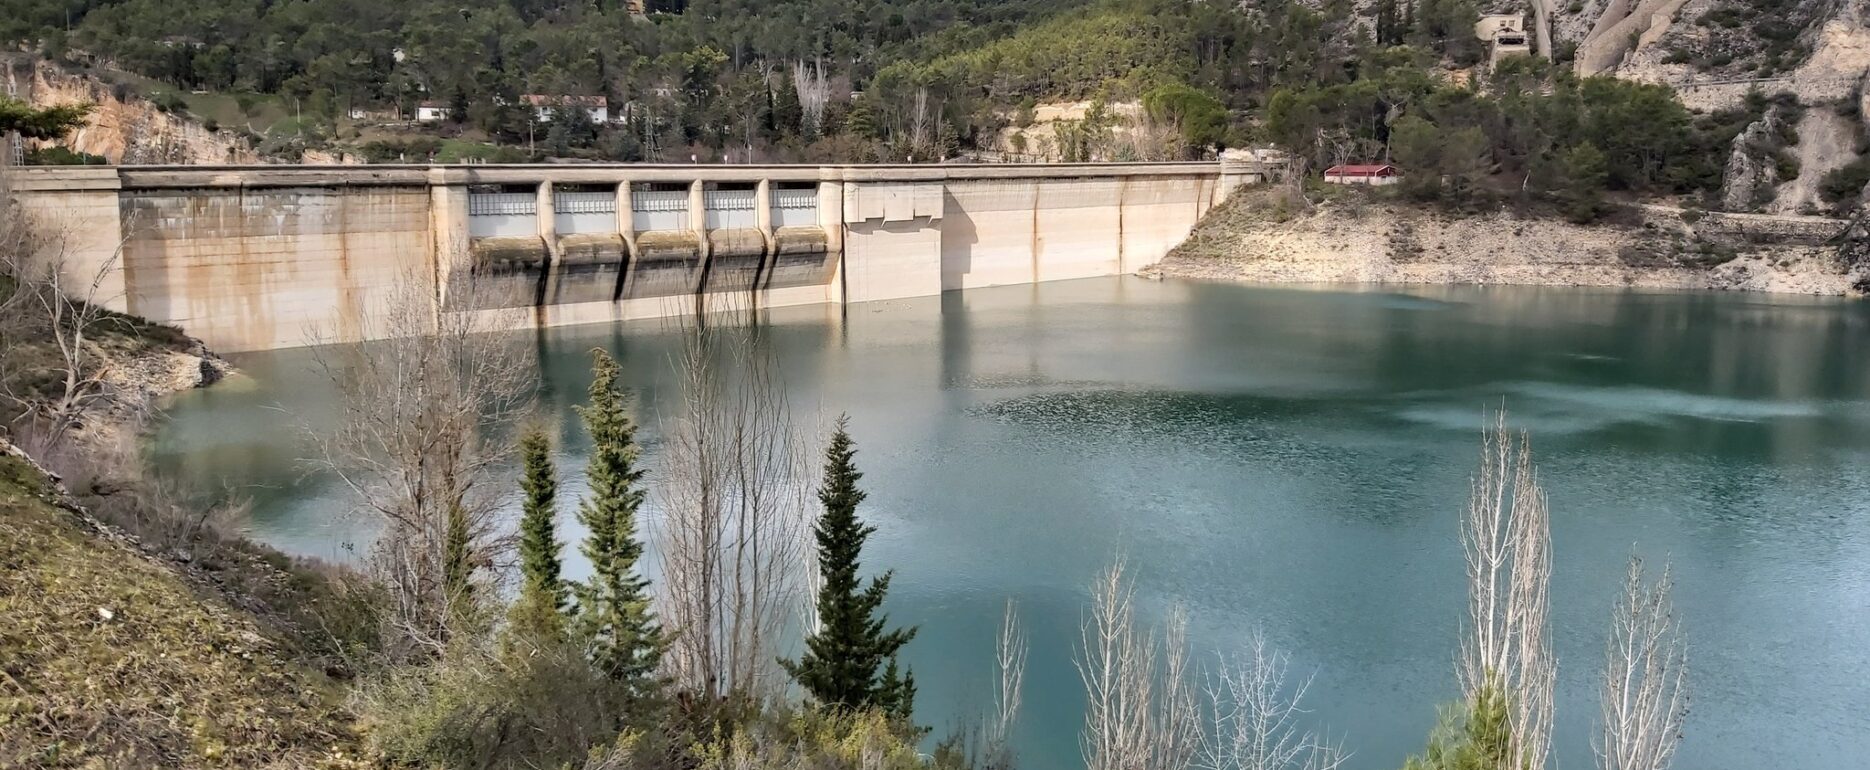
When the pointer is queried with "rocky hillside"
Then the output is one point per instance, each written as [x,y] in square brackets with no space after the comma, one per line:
[123,128]
[1359,238]
[1716,52]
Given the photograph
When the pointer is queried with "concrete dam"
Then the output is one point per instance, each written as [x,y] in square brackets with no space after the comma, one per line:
[263,257]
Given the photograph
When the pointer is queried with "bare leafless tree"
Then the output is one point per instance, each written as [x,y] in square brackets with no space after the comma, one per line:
[1645,698]
[1176,736]
[1141,712]
[1506,536]
[732,536]
[1113,727]
[52,312]
[1254,714]
[921,123]
[422,421]
[814,93]
[1010,651]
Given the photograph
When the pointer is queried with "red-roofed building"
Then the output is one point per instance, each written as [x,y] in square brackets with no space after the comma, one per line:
[1371,174]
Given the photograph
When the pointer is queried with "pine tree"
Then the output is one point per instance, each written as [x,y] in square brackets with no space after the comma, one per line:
[614,616]
[1477,736]
[35,123]
[896,695]
[542,592]
[457,562]
[1582,176]
[841,662]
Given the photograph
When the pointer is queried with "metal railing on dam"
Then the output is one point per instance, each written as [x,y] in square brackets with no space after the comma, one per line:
[259,257]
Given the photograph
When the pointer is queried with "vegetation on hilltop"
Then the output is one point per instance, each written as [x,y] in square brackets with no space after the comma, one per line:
[871,80]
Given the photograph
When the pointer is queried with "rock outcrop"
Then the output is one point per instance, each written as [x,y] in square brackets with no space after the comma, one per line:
[1752,172]
[125,128]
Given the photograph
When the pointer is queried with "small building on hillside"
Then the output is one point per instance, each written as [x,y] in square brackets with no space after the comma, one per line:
[433,112]
[544,107]
[1504,34]
[1373,174]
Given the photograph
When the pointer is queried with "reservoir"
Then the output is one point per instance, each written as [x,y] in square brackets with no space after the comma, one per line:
[1288,459]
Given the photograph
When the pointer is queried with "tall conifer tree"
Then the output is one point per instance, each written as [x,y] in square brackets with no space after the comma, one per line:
[542,592]
[844,661]
[614,616]
[457,563]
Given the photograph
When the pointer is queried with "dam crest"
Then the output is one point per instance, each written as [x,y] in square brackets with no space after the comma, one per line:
[265,257]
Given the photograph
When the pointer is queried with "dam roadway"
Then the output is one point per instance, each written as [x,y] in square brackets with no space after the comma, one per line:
[265,257]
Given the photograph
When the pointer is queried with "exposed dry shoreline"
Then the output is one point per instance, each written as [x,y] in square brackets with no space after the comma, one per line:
[138,380]
[1354,240]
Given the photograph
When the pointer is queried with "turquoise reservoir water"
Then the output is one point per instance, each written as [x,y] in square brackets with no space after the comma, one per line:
[1293,460]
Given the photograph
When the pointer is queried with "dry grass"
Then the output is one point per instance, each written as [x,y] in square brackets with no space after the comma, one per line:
[109,659]
[1246,210]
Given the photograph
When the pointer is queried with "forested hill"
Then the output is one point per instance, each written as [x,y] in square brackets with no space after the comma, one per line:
[700,67]
[930,77]
[867,80]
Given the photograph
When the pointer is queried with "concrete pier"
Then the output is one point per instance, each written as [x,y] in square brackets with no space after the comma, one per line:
[262,257]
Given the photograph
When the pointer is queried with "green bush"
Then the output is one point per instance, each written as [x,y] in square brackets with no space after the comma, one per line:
[60,155]
[1786,165]
[1843,186]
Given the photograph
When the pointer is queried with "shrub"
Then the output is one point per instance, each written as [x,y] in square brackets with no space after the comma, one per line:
[1786,165]
[780,739]
[1843,186]
[480,706]
[60,155]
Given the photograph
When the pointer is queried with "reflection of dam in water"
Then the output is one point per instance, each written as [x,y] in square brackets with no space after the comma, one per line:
[260,257]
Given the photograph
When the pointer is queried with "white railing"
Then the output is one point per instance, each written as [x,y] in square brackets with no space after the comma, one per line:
[584,212]
[658,210]
[731,209]
[502,214]
[566,202]
[502,204]
[795,207]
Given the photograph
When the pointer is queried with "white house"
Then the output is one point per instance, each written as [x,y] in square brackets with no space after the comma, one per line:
[544,107]
[432,112]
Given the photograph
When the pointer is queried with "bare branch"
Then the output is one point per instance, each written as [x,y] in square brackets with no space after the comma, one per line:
[733,535]
[1141,713]
[1010,651]
[1645,697]
[421,424]
[814,93]
[1254,715]
[1506,537]
[52,311]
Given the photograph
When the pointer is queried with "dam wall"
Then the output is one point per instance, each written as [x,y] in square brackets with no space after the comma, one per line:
[263,257]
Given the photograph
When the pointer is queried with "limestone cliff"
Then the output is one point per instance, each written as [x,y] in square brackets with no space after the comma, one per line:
[125,128]
[1715,51]
[1753,170]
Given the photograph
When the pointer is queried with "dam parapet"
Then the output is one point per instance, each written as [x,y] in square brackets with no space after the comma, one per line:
[261,257]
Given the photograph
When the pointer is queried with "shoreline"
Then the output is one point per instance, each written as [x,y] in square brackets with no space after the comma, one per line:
[1352,240]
